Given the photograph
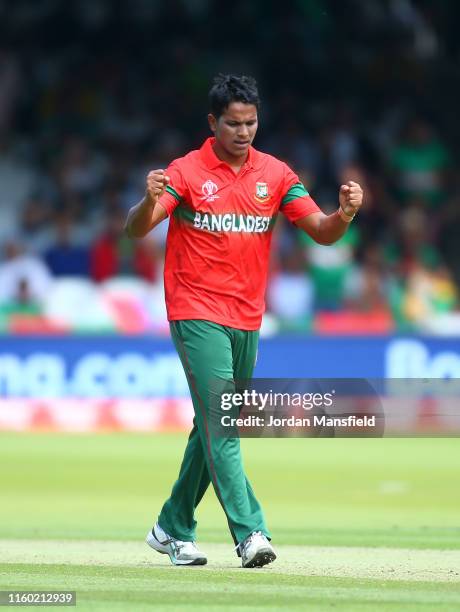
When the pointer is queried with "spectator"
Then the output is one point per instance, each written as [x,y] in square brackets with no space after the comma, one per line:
[21,303]
[114,254]
[414,243]
[290,294]
[81,170]
[366,286]
[17,181]
[430,292]
[22,270]
[34,223]
[329,266]
[420,162]
[65,257]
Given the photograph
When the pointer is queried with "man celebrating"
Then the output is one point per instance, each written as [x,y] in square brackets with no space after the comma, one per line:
[223,200]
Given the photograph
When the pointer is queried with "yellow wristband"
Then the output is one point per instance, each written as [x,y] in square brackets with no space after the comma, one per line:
[343,215]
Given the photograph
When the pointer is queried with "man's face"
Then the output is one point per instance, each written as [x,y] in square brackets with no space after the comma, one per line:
[236,128]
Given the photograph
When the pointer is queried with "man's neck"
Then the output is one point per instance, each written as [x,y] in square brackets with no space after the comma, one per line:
[235,163]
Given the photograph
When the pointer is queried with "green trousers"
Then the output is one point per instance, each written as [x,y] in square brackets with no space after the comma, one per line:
[208,352]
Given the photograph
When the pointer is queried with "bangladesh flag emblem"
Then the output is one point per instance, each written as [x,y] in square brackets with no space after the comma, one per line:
[262,192]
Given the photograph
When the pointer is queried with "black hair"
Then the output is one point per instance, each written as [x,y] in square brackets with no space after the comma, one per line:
[228,88]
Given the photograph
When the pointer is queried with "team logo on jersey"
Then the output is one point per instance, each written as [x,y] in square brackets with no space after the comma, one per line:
[262,194]
[209,190]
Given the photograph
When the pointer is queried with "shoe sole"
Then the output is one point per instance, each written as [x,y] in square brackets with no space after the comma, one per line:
[164,550]
[263,557]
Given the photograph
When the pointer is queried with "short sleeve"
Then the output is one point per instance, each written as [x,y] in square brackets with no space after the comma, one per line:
[176,191]
[296,202]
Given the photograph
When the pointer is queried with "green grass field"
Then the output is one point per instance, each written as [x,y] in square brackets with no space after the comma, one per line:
[357,524]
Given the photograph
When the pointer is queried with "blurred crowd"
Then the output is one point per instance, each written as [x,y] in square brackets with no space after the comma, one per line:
[95,94]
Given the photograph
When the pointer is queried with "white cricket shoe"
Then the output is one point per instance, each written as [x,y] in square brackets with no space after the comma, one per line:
[180,552]
[256,550]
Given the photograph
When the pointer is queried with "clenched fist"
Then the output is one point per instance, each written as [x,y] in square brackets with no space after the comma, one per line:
[156,184]
[351,198]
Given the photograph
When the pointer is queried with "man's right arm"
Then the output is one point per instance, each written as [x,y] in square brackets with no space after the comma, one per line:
[148,213]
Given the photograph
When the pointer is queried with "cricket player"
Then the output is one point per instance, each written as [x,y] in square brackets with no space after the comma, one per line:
[222,201]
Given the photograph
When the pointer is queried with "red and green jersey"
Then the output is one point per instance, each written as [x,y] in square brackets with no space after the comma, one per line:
[220,232]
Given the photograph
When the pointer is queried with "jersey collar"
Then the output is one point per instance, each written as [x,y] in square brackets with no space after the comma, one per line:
[211,159]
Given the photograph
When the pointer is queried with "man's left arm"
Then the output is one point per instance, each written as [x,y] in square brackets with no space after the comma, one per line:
[327,229]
